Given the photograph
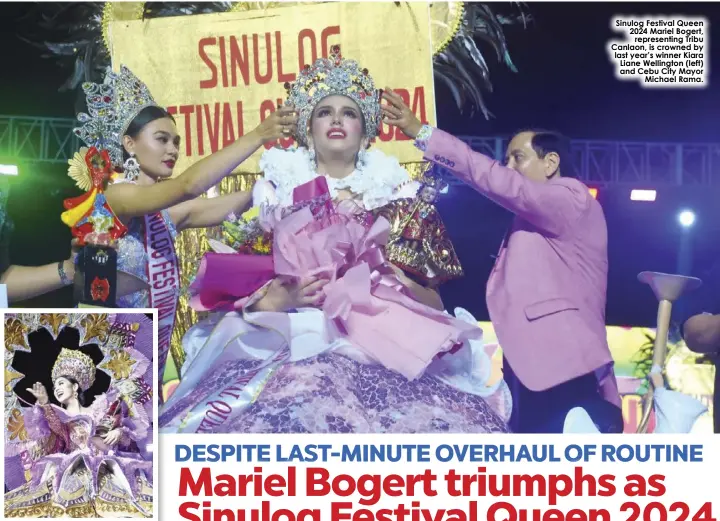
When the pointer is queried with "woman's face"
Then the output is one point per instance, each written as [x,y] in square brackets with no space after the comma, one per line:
[336,126]
[64,390]
[156,148]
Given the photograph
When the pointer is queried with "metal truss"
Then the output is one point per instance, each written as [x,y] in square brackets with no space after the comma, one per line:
[650,164]
[603,163]
[29,139]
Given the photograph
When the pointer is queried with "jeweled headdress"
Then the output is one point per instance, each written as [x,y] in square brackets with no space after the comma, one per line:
[76,365]
[112,105]
[433,179]
[333,76]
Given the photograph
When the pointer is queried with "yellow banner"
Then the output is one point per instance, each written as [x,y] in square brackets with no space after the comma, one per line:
[222,74]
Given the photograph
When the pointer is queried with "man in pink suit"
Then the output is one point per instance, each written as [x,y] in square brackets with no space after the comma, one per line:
[547,291]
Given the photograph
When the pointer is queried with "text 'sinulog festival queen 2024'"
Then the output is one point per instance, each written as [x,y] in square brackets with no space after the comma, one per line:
[239,66]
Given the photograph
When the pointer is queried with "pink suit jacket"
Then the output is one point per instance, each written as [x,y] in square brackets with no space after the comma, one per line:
[547,291]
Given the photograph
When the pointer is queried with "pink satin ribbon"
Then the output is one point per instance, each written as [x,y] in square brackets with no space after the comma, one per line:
[364,297]
[316,190]
[223,278]
[361,270]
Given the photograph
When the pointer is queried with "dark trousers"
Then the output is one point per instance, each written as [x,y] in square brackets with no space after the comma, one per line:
[545,411]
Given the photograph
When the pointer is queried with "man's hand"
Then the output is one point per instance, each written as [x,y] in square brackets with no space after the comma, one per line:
[397,114]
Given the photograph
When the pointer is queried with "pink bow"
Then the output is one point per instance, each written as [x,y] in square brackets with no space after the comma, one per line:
[362,267]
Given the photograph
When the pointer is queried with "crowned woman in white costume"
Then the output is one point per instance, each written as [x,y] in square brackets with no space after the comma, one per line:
[141,141]
[85,460]
[327,317]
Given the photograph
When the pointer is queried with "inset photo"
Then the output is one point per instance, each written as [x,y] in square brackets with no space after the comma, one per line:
[79,414]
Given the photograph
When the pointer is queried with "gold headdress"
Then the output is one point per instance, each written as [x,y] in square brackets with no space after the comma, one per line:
[334,76]
[433,179]
[76,365]
[112,106]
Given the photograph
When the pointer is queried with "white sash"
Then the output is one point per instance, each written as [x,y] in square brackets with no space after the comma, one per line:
[164,280]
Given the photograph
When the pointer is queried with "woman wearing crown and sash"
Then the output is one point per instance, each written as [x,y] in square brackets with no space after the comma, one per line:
[300,353]
[141,141]
[86,462]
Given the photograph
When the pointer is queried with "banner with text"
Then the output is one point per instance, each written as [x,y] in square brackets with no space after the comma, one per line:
[222,74]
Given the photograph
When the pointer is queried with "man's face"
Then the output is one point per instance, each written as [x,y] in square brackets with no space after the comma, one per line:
[521,156]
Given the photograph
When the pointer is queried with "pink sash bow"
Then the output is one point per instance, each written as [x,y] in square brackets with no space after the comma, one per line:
[364,297]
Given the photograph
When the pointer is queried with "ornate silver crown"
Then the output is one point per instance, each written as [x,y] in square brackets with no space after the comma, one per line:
[333,76]
[112,105]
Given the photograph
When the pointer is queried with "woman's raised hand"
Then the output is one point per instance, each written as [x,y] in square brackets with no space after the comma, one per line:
[40,393]
[280,124]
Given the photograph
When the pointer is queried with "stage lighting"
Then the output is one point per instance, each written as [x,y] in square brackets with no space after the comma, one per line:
[686,218]
[8,170]
[643,195]
[593,193]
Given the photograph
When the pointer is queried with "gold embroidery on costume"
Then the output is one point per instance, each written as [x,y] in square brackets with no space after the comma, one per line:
[419,243]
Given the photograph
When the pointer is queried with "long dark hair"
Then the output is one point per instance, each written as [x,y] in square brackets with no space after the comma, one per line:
[145,116]
[81,393]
